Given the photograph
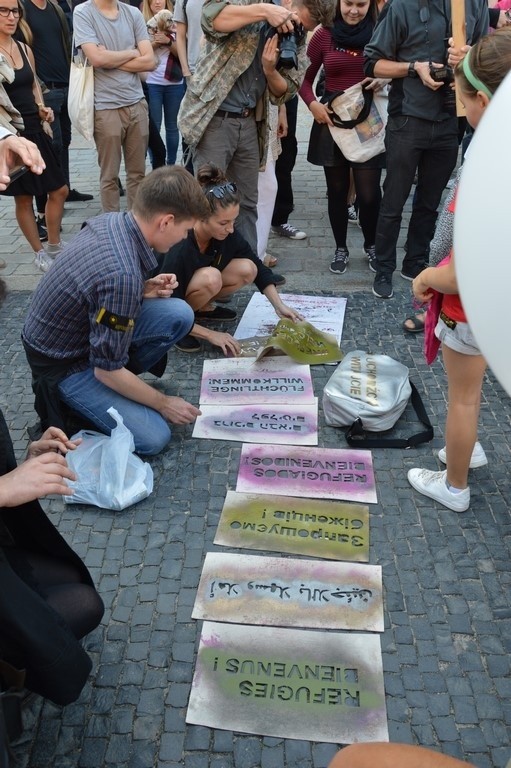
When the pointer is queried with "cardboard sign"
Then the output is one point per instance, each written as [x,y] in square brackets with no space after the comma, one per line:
[239,381]
[259,423]
[329,529]
[286,592]
[314,472]
[289,683]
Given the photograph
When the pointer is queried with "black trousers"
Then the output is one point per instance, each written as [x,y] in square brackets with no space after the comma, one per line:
[284,202]
[431,149]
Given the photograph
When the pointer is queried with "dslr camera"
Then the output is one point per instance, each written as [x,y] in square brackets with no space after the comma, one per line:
[443,74]
[288,45]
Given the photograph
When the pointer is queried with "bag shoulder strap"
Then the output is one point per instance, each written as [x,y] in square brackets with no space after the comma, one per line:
[358,437]
[362,115]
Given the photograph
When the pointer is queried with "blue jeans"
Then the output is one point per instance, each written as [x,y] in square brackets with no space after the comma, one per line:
[160,324]
[431,149]
[166,99]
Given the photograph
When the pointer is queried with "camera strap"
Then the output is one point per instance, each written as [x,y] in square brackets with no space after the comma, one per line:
[424,16]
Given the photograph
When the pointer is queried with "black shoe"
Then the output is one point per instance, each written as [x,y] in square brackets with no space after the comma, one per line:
[218,313]
[41,228]
[73,196]
[371,257]
[340,261]
[188,344]
[278,279]
[382,286]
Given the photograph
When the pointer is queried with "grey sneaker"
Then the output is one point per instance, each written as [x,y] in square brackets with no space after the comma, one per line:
[382,286]
[287,230]
[371,256]
[433,485]
[478,458]
[340,261]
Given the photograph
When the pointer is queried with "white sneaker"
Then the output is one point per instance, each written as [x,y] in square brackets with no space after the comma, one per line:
[433,485]
[55,248]
[42,260]
[478,458]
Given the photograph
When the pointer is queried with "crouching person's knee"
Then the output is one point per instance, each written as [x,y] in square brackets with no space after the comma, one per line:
[154,439]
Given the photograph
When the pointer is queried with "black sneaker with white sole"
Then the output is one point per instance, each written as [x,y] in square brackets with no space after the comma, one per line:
[188,344]
[382,286]
[340,261]
[371,257]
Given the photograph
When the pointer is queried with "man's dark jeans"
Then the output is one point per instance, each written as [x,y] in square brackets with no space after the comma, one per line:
[284,202]
[431,149]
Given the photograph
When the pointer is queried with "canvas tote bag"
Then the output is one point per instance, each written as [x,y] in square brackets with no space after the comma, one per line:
[360,117]
[80,100]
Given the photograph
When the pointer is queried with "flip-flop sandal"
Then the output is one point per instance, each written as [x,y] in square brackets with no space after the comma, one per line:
[417,324]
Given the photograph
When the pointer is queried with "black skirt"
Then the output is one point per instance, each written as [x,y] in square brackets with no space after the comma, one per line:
[324,151]
[51,178]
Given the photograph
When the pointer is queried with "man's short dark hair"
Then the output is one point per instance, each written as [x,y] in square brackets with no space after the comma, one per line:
[321,11]
[170,189]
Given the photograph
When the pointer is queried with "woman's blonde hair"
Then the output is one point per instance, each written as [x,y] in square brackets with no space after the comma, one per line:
[147,12]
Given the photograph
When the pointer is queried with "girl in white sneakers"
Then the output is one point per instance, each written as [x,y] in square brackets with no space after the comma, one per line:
[478,75]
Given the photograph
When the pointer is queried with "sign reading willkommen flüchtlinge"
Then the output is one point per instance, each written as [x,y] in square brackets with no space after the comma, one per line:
[314,472]
[242,380]
[289,683]
[288,592]
[259,423]
[329,529]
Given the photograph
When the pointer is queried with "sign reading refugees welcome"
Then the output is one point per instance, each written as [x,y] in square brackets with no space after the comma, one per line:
[288,592]
[315,472]
[240,380]
[259,423]
[289,683]
[329,529]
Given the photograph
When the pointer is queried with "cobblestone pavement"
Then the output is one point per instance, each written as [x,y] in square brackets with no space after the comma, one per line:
[446,577]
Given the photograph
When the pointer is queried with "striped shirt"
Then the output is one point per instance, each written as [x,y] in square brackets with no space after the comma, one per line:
[343,67]
[85,306]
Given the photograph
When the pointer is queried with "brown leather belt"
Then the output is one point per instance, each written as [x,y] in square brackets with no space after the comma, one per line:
[247,112]
[450,323]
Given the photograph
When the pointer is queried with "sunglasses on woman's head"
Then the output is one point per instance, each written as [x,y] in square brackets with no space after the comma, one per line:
[220,190]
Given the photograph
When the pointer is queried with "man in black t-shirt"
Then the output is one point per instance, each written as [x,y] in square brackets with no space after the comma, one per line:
[51,45]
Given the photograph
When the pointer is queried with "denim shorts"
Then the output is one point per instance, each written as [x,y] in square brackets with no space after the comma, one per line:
[460,339]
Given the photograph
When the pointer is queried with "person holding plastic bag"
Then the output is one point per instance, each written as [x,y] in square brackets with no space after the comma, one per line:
[477,76]
[47,599]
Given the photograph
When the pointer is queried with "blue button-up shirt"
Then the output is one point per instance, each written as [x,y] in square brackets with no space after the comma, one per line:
[85,307]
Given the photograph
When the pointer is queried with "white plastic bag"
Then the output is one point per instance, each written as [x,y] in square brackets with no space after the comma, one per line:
[108,473]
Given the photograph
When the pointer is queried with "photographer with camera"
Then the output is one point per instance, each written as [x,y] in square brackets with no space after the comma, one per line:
[409,45]
[242,67]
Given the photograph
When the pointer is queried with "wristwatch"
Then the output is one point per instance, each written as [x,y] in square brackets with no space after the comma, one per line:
[411,69]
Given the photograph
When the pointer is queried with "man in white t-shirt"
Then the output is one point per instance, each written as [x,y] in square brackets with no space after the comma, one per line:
[114,38]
